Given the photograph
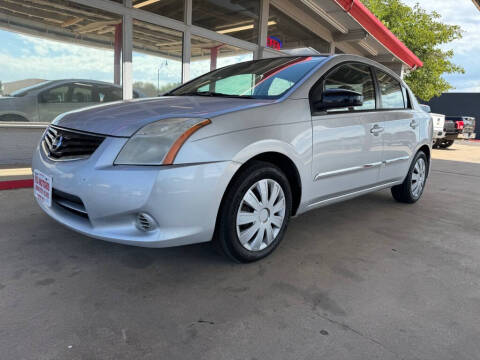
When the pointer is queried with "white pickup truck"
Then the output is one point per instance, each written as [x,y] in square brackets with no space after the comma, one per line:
[438,120]
[438,127]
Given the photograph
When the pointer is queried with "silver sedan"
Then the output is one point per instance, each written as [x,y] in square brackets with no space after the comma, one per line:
[233,154]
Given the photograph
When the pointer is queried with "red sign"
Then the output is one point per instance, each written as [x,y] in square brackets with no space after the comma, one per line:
[274,43]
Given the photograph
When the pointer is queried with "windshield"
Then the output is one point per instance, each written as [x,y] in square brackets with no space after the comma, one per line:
[258,79]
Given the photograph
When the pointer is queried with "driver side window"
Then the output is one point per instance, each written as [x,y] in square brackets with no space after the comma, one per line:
[353,77]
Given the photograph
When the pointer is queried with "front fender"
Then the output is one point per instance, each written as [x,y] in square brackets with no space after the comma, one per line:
[291,140]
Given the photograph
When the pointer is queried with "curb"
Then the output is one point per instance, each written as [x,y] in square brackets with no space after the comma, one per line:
[16,184]
[15,177]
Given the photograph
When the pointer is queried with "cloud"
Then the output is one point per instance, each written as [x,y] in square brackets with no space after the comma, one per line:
[31,57]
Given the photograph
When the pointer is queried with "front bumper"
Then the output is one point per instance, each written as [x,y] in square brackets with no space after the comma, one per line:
[183,199]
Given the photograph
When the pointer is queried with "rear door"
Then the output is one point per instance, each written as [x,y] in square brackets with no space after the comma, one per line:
[401,124]
[347,143]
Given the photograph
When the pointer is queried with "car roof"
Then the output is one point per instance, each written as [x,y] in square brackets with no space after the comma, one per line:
[345,58]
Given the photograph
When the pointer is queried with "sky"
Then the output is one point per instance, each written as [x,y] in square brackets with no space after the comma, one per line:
[23,57]
[467,49]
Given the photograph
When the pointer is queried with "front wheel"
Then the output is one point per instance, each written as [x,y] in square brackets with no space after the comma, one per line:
[254,214]
[412,187]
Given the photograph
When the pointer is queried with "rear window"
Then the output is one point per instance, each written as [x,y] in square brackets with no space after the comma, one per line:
[391,92]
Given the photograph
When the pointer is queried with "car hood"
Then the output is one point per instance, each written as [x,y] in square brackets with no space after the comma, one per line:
[124,118]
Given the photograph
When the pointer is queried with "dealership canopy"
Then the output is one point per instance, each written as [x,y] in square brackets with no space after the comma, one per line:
[208,29]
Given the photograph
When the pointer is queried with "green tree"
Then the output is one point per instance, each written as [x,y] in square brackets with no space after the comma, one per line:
[424,34]
[146,88]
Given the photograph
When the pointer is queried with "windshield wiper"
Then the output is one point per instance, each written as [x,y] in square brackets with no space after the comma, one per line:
[213,94]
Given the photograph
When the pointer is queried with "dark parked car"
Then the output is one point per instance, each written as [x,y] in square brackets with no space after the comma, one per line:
[457,127]
[44,101]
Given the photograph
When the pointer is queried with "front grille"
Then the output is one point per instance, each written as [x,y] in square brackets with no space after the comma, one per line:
[69,202]
[62,144]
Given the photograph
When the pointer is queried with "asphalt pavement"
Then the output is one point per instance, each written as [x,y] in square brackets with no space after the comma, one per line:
[365,279]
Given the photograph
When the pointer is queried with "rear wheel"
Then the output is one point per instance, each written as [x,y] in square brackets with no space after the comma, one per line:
[412,187]
[254,214]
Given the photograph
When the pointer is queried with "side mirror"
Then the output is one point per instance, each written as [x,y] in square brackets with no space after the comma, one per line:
[426,108]
[338,98]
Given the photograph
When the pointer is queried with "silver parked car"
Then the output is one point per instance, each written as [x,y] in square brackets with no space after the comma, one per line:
[233,154]
[44,101]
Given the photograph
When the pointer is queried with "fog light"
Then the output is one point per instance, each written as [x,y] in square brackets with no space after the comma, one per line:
[145,222]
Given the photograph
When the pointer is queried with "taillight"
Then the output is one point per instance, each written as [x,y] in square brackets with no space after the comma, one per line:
[459,125]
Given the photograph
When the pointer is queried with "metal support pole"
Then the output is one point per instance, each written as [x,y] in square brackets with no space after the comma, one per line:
[263,28]
[187,40]
[332,48]
[213,57]
[117,57]
[127,57]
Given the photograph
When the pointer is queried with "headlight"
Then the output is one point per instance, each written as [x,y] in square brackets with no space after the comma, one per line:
[158,143]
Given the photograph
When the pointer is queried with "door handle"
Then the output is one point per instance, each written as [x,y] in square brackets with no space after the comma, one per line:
[376,130]
[413,124]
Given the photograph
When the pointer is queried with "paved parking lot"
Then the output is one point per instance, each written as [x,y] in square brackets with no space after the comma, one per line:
[364,279]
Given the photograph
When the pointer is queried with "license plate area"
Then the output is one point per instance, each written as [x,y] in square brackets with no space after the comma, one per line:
[42,188]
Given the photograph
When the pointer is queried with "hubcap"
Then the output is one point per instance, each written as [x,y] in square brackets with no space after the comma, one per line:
[260,215]
[418,178]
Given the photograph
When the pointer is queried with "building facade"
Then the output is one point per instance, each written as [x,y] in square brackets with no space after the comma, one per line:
[95,51]
[158,44]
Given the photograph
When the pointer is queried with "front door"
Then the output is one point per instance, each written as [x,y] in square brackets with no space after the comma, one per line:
[347,142]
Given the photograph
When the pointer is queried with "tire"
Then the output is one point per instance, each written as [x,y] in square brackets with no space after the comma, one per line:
[408,192]
[436,144]
[262,226]
[445,144]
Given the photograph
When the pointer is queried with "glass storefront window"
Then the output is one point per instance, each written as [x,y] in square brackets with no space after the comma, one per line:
[65,59]
[173,9]
[156,58]
[237,18]
[286,33]
[208,55]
